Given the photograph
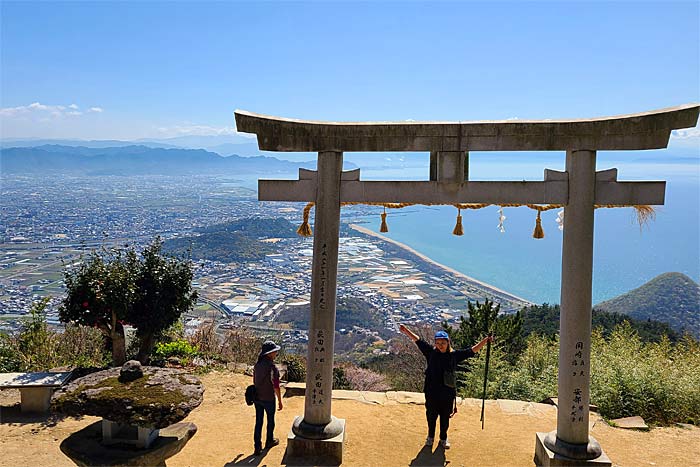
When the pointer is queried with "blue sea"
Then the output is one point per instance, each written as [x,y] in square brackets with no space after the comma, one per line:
[625,255]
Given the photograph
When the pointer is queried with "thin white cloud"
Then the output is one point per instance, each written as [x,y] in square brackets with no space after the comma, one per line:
[38,106]
[686,133]
[42,112]
[200,130]
[96,109]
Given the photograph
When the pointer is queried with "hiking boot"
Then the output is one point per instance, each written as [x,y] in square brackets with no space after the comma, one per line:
[257,451]
[445,443]
[429,441]
[272,443]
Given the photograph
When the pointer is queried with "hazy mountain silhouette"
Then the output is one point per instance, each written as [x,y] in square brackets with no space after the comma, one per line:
[136,160]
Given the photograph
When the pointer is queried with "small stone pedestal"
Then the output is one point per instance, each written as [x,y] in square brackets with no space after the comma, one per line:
[544,457]
[120,433]
[35,400]
[313,449]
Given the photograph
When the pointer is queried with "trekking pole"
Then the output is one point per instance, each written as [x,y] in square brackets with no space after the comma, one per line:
[486,376]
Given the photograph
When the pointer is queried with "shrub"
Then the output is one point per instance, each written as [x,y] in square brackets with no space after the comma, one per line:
[35,342]
[82,347]
[179,348]
[241,346]
[470,375]
[340,381]
[296,368]
[404,366]
[362,379]
[37,348]
[534,375]
[657,381]
[11,360]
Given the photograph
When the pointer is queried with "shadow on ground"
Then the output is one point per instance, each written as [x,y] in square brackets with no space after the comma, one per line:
[426,457]
[13,415]
[250,459]
[307,461]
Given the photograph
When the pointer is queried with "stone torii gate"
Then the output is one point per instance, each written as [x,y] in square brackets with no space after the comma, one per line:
[579,189]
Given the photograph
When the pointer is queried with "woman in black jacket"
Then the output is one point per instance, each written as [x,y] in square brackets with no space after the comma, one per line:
[439,385]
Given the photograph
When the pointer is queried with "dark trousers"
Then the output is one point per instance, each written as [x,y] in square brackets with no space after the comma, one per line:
[262,407]
[438,407]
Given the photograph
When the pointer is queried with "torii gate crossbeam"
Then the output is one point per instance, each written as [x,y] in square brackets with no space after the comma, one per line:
[579,189]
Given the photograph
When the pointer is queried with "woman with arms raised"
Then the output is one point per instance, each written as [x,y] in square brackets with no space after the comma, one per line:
[439,385]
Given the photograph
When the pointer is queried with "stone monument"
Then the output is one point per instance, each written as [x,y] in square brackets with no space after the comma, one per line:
[140,409]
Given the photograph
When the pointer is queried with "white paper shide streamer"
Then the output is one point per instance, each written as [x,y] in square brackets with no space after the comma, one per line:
[501,219]
[560,219]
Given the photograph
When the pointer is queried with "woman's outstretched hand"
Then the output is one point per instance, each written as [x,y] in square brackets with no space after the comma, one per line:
[404,330]
[483,342]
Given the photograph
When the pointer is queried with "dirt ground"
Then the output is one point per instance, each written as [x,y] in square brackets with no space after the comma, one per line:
[376,435]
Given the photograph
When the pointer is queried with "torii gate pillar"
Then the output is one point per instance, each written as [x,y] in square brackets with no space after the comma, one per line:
[571,438]
[317,432]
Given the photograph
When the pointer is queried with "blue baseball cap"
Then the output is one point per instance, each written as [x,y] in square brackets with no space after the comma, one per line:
[442,335]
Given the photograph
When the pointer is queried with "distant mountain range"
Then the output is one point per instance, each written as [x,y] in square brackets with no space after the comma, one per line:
[671,298]
[137,160]
[235,144]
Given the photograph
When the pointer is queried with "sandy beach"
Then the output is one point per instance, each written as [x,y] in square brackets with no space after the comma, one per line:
[475,282]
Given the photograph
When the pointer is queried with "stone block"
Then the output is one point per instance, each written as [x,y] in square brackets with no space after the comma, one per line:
[294,389]
[512,407]
[546,458]
[313,451]
[372,397]
[633,423]
[36,400]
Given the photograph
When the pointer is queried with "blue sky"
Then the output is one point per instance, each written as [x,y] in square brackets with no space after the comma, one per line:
[103,70]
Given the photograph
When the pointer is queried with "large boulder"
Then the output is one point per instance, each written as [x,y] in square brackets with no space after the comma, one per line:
[157,398]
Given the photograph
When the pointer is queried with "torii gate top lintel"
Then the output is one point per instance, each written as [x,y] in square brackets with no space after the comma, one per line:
[646,130]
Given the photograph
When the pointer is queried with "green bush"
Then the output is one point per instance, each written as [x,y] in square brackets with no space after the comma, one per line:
[296,368]
[37,348]
[340,381]
[82,347]
[11,360]
[534,375]
[180,349]
[657,381]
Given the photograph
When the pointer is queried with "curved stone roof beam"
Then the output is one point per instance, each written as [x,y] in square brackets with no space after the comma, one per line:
[647,130]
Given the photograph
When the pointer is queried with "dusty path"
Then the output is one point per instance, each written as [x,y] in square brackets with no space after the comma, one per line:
[377,435]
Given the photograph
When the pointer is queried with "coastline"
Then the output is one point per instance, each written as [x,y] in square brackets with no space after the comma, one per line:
[471,280]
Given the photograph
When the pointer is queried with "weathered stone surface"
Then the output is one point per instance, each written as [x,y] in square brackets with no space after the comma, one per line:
[161,397]
[647,130]
[131,371]
[634,423]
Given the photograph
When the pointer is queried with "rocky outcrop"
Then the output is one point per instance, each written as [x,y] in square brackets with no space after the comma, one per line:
[157,398]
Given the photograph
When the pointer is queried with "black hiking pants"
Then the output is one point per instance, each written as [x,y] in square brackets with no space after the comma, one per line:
[438,407]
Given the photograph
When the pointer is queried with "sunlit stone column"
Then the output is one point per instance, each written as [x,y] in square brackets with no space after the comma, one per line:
[571,438]
[317,422]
